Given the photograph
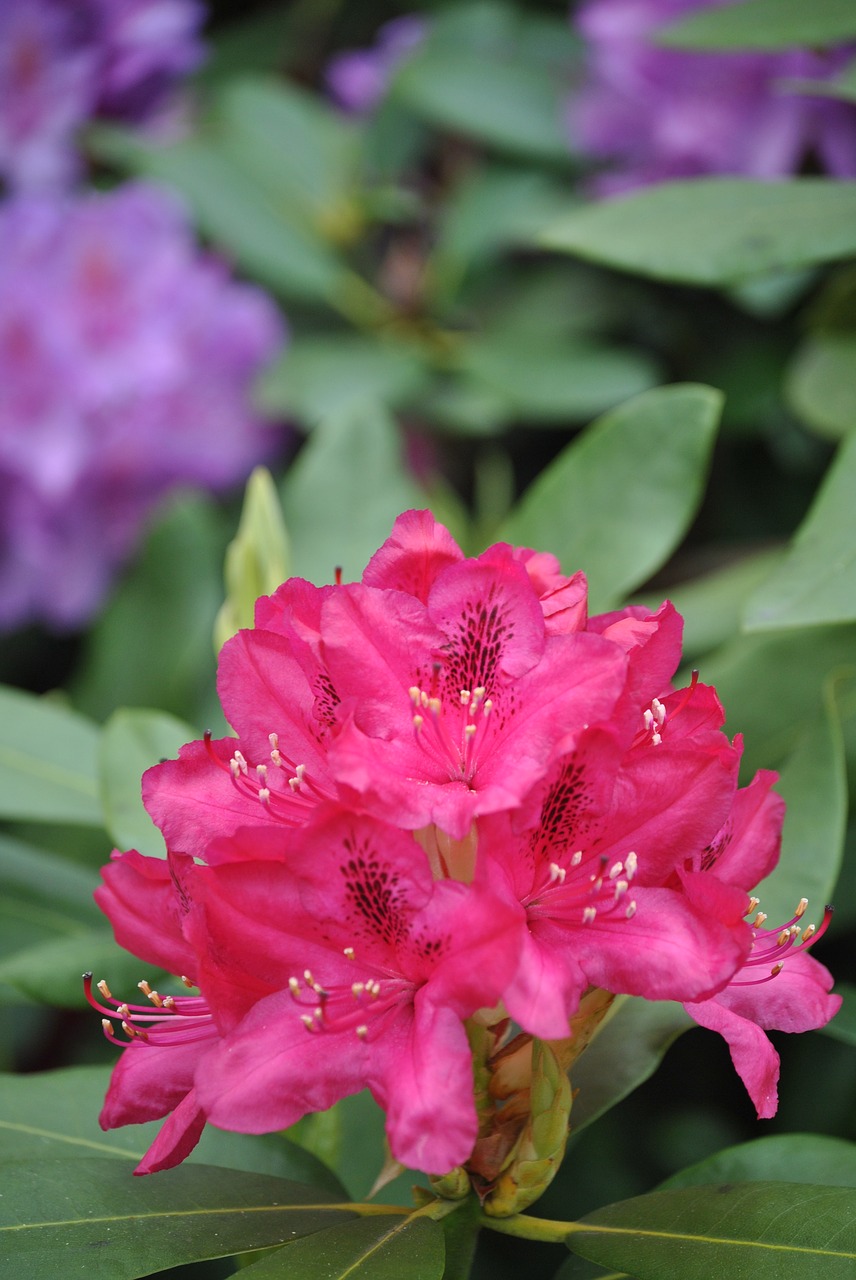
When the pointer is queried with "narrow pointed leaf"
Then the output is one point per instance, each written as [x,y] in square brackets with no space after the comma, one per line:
[814,784]
[383,1248]
[54,1115]
[618,500]
[816,582]
[343,493]
[737,1230]
[714,231]
[134,739]
[77,1217]
[47,761]
[764,24]
[784,1157]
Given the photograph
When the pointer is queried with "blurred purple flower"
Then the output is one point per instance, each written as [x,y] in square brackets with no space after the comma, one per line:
[62,62]
[658,113]
[358,78]
[126,359]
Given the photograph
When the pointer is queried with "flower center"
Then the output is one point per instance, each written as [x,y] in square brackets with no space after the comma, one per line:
[584,885]
[451,733]
[286,790]
[359,1007]
[164,1021]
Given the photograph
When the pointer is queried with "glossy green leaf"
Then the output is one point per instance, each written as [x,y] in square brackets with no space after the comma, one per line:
[50,971]
[343,493]
[382,1248]
[47,761]
[625,1052]
[151,647]
[294,148]
[54,1114]
[816,582]
[791,1157]
[764,24]
[317,377]
[714,231]
[772,686]
[237,214]
[734,1230]
[821,383]
[132,741]
[553,382]
[712,604]
[80,1217]
[814,784]
[617,501]
[843,1025]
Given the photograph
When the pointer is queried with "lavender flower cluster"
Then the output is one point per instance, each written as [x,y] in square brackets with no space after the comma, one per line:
[126,356]
[655,113]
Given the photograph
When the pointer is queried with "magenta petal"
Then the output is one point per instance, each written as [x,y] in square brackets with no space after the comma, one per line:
[746,849]
[427,1090]
[148,1082]
[416,551]
[138,896]
[755,1060]
[548,982]
[797,999]
[178,1136]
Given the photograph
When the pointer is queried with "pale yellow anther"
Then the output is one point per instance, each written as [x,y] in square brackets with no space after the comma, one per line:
[293,986]
[108,1026]
[557,873]
[187,981]
[105,990]
[307,977]
[589,915]
[783,937]
[465,697]
[759,920]
[801,908]
[470,730]
[362,1031]
[169,1003]
[123,1011]
[630,865]
[616,870]
[488,707]
[754,903]
[435,706]
[349,953]
[808,932]
[307,1022]
[577,858]
[630,911]
[418,722]
[414,693]
[776,969]
[264,795]
[357,989]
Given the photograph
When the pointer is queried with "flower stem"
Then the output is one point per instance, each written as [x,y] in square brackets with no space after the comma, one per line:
[527,1228]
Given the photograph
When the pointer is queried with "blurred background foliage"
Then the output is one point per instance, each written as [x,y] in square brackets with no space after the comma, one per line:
[459,310]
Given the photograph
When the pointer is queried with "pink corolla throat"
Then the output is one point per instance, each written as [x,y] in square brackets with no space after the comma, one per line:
[339,1008]
[585,886]
[772,947]
[284,788]
[164,1021]
[452,730]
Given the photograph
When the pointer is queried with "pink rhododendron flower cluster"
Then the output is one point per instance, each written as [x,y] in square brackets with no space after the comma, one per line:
[454,799]
[127,359]
[655,113]
[64,62]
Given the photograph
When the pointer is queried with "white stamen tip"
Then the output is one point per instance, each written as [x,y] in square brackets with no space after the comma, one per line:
[557,873]
[589,914]
[630,911]
[801,907]
[349,952]
[362,1031]
[631,863]
[104,989]
[577,858]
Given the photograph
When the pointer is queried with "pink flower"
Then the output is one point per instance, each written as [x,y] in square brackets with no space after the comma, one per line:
[595,874]
[778,987]
[429,694]
[331,961]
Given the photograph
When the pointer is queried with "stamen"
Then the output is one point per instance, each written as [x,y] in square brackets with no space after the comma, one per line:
[362,1031]
[349,953]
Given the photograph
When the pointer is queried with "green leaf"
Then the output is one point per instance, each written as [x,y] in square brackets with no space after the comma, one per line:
[617,501]
[234,212]
[258,559]
[713,604]
[77,1217]
[382,1248]
[814,784]
[714,231]
[152,647]
[54,1114]
[318,377]
[132,741]
[47,761]
[821,383]
[733,1230]
[843,1025]
[50,971]
[772,686]
[816,582]
[625,1052]
[344,491]
[556,382]
[842,86]
[764,24]
[791,1157]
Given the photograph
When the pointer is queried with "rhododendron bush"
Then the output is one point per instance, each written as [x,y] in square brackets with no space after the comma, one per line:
[449,817]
